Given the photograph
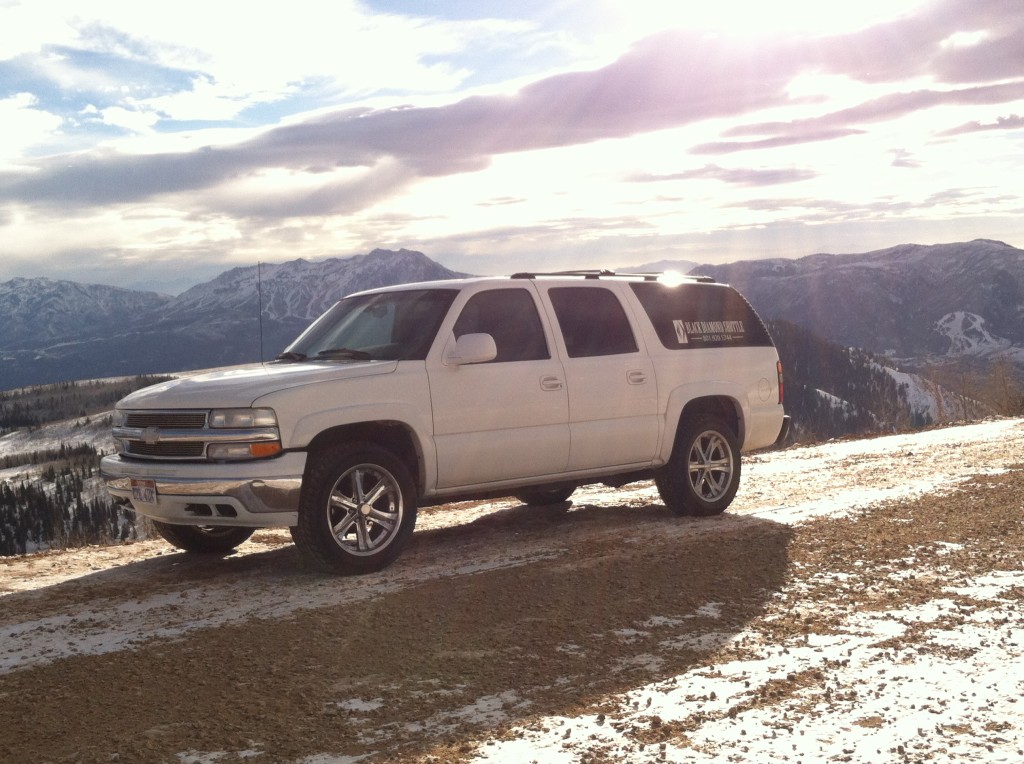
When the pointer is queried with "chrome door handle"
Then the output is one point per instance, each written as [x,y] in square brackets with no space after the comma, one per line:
[550,382]
[636,377]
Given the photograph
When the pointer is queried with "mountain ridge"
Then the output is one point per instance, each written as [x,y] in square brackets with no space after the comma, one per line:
[95,331]
[912,303]
[893,301]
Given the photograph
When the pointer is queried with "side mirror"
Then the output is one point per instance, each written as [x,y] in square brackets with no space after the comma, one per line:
[471,348]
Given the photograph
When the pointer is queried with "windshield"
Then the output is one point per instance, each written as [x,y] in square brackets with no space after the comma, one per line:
[387,326]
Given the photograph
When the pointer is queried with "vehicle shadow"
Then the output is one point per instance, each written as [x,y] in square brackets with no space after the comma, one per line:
[271,554]
[529,611]
[628,596]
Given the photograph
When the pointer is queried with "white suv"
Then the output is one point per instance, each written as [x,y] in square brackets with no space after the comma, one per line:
[528,385]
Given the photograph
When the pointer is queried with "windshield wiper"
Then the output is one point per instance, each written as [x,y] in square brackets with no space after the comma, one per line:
[291,355]
[357,355]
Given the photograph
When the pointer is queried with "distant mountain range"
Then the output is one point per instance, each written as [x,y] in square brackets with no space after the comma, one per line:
[912,304]
[53,331]
[906,302]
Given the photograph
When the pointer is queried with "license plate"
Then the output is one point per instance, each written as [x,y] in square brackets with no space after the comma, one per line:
[144,491]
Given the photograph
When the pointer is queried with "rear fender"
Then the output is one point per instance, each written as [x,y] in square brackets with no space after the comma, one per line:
[687,400]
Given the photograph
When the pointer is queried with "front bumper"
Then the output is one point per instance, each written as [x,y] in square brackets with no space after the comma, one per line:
[257,494]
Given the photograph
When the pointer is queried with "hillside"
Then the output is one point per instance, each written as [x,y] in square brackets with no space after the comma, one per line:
[909,301]
[51,440]
[843,610]
[836,391]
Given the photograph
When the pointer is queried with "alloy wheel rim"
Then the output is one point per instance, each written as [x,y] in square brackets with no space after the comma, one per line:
[710,466]
[365,509]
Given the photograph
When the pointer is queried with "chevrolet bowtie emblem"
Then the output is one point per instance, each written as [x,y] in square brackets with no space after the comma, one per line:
[151,436]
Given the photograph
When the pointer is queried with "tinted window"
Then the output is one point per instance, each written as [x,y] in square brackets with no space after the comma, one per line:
[690,316]
[592,322]
[510,316]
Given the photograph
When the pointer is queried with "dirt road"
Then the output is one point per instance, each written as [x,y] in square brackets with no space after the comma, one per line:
[861,601]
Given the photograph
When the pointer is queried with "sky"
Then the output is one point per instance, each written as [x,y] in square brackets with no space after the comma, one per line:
[157,145]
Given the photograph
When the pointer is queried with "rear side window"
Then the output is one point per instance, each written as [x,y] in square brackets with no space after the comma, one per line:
[592,322]
[693,316]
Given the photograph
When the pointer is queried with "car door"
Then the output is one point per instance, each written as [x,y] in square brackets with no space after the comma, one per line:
[506,418]
[613,393]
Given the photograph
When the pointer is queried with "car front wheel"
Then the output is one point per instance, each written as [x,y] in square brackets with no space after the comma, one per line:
[703,473]
[357,510]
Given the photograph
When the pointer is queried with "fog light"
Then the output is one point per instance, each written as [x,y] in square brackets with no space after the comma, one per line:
[238,451]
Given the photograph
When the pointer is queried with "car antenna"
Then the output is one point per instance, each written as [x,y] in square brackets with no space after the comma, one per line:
[259,305]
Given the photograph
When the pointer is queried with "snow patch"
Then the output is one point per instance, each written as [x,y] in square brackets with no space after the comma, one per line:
[968,335]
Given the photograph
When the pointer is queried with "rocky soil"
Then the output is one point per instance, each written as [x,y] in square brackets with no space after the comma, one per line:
[861,601]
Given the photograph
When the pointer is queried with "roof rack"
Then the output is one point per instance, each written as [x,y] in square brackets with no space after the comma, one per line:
[598,274]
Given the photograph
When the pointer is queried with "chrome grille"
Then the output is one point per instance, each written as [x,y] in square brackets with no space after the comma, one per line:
[165,450]
[171,420]
[181,435]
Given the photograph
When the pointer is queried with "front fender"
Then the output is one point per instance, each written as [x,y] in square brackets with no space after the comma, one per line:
[401,397]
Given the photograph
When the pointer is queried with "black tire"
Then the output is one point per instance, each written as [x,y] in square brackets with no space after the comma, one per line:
[203,539]
[357,511]
[703,473]
[542,496]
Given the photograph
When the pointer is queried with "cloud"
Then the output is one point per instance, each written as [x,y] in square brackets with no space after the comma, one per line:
[792,137]
[1012,122]
[339,197]
[840,124]
[667,80]
[24,125]
[947,40]
[903,158]
[735,176]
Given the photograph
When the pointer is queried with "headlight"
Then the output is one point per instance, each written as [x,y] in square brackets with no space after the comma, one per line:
[119,418]
[240,419]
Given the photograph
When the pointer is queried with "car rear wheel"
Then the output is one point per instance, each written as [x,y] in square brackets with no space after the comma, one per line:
[703,473]
[205,539]
[357,511]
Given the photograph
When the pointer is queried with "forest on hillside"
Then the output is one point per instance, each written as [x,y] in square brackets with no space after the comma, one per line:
[53,509]
[834,391]
[36,405]
[52,496]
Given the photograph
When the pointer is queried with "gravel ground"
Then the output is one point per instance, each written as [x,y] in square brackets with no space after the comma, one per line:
[861,601]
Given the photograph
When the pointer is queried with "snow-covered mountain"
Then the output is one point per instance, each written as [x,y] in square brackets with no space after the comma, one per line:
[41,311]
[58,330]
[301,289]
[963,300]
[908,301]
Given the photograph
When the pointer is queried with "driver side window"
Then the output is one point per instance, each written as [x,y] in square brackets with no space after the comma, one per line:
[510,317]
